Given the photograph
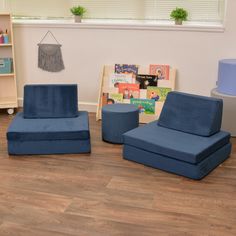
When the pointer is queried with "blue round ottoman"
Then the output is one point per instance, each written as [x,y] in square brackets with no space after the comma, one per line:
[118,119]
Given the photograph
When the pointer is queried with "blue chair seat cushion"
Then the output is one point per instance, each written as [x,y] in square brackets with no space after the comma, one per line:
[175,144]
[22,129]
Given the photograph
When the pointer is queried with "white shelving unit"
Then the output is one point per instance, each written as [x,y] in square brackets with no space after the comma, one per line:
[8,90]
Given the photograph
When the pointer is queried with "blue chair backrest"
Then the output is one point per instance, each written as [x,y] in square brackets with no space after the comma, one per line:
[192,114]
[50,101]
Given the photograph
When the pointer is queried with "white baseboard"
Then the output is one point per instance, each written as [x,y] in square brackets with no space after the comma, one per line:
[88,106]
[85,106]
[20,102]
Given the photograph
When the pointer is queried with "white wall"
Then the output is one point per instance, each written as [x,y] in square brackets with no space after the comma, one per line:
[194,54]
[2,5]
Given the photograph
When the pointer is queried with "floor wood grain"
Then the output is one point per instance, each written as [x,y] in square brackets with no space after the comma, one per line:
[102,194]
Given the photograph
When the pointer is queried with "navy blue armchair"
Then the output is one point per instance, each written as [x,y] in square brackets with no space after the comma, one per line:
[50,122]
[186,140]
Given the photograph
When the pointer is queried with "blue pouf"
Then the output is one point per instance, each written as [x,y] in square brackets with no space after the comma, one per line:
[118,119]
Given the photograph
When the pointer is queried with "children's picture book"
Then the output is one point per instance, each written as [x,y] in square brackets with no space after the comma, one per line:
[115,79]
[111,98]
[147,80]
[116,97]
[145,106]
[126,69]
[157,93]
[162,71]
[147,92]
[129,90]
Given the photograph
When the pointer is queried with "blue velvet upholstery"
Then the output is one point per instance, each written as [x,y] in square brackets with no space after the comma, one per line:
[186,140]
[50,101]
[175,144]
[56,128]
[118,119]
[192,114]
[22,129]
[193,171]
[46,147]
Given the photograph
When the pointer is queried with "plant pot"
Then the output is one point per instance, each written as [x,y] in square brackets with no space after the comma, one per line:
[78,19]
[178,22]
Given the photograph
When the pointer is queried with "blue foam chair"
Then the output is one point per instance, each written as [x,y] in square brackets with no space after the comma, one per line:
[186,140]
[50,122]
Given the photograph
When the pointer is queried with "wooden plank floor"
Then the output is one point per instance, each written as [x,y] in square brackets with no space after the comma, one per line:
[102,194]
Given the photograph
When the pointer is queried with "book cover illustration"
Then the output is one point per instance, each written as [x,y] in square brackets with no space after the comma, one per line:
[147,80]
[115,79]
[126,69]
[145,106]
[157,93]
[129,90]
[116,97]
[161,71]
[111,98]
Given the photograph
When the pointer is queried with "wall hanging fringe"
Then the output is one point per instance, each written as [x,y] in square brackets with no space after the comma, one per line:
[50,56]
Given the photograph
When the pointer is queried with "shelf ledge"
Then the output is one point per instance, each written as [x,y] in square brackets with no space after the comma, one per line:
[5,44]
[121,25]
[7,75]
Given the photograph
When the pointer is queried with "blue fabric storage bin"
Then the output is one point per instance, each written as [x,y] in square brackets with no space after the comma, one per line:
[5,65]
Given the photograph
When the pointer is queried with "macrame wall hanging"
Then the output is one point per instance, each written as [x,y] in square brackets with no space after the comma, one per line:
[50,56]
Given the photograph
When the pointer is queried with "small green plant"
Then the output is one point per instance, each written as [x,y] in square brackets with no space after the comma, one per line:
[78,11]
[179,14]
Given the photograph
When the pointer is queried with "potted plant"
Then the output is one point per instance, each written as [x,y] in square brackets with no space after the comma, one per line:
[78,12]
[179,15]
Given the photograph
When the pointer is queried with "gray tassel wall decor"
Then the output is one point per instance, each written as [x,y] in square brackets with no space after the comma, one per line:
[50,56]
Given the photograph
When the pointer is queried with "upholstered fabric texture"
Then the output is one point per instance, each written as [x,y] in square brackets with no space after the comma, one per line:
[50,123]
[50,101]
[175,144]
[186,140]
[118,119]
[22,129]
[192,114]
[193,171]
[49,136]
[46,147]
